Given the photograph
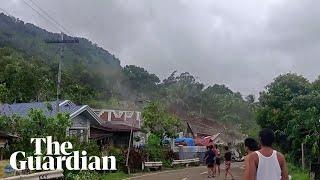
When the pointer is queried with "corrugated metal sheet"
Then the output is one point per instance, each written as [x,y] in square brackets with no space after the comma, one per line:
[49,108]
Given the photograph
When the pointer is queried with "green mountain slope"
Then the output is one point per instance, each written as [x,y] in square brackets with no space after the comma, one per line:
[91,75]
[84,62]
[31,40]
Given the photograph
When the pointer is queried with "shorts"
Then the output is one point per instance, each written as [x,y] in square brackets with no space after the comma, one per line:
[211,165]
[228,164]
[218,161]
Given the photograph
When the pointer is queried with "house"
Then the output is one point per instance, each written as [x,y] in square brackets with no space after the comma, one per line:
[204,128]
[85,123]
[120,123]
[126,118]
[201,127]
[5,139]
[107,127]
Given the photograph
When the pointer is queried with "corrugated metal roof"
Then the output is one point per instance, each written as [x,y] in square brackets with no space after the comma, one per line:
[49,108]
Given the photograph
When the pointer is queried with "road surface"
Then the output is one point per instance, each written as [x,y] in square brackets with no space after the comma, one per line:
[190,173]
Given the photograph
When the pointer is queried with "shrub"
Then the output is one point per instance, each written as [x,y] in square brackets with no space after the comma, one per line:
[137,156]
[118,153]
[154,148]
[91,147]
[297,173]
[36,124]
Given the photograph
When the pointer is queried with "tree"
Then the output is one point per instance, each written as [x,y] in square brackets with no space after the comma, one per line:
[36,124]
[25,79]
[275,100]
[158,121]
[220,103]
[139,79]
[250,98]
[4,93]
[219,89]
[290,106]
[183,92]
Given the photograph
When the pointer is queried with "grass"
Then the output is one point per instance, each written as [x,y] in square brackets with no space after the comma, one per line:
[297,173]
[115,176]
[87,175]
[3,163]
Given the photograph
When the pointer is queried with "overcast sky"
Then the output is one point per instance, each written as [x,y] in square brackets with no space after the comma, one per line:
[243,44]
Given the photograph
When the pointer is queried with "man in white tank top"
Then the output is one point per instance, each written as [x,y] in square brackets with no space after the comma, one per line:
[266,164]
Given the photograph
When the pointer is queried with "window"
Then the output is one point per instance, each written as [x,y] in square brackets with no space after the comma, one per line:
[81,134]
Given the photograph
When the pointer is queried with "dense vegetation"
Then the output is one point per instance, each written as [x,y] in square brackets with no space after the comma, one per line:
[90,68]
[290,105]
[158,121]
[91,75]
[37,124]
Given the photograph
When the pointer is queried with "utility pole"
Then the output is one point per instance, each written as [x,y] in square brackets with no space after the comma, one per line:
[61,42]
[129,147]
[130,138]
[59,74]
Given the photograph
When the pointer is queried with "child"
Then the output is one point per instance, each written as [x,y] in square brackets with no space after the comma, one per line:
[227,158]
[209,157]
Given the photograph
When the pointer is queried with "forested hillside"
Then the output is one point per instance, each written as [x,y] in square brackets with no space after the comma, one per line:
[91,66]
[91,75]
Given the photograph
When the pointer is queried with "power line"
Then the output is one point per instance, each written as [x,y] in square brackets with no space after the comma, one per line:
[50,17]
[3,10]
[53,25]
[61,42]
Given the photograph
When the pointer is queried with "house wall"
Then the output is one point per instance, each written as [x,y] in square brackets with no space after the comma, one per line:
[120,117]
[120,139]
[80,127]
[2,142]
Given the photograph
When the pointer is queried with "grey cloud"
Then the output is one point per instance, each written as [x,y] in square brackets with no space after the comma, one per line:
[243,44]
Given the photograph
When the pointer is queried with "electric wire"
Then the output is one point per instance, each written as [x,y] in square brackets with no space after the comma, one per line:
[50,17]
[52,25]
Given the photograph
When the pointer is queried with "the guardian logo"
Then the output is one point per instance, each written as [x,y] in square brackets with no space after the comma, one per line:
[57,154]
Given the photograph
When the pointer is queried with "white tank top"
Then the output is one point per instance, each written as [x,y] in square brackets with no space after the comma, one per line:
[268,167]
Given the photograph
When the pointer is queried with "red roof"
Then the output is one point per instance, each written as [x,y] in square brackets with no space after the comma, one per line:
[118,127]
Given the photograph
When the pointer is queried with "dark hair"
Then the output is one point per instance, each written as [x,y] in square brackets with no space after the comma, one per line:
[226,148]
[266,137]
[216,146]
[210,147]
[251,144]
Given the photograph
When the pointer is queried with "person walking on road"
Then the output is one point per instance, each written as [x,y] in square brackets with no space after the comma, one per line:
[266,163]
[227,158]
[215,159]
[218,160]
[209,157]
